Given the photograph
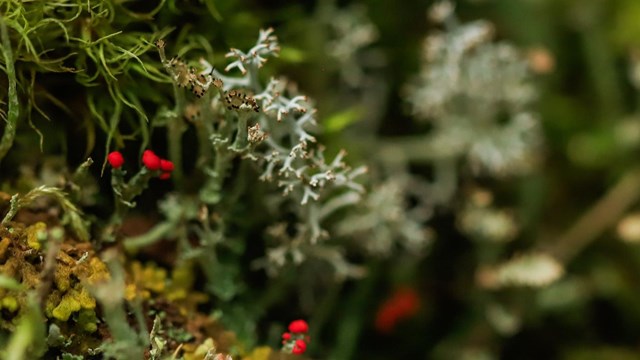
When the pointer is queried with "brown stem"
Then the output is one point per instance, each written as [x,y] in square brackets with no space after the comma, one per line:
[604,214]
[48,272]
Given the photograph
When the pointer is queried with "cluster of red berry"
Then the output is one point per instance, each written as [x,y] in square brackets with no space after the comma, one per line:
[150,160]
[295,341]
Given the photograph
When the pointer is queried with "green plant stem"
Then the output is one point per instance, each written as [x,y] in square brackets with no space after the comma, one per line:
[27,340]
[350,325]
[240,141]
[124,194]
[6,142]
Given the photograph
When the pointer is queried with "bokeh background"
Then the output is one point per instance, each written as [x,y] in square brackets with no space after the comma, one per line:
[584,57]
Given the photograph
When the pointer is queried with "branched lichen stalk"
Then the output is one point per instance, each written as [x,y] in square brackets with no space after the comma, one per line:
[14,106]
[176,125]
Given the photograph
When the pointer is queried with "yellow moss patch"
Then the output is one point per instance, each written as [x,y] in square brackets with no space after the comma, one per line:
[62,277]
[200,351]
[67,306]
[73,301]
[182,279]
[98,271]
[9,303]
[4,245]
[130,292]
[145,279]
[35,233]
[87,320]
[86,300]
[52,302]
[259,353]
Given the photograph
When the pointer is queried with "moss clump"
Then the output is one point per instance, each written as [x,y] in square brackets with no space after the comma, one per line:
[144,280]
[35,234]
[67,306]
[87,320]
[4,245]
[71,302]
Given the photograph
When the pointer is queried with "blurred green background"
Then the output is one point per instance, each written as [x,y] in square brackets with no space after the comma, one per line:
[588,101]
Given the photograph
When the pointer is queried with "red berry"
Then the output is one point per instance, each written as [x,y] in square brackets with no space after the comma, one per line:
[166,165]
[164,176]
[299,347]
[286,336]
[115,159]
[298,326]
[150,160]
[301,344]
